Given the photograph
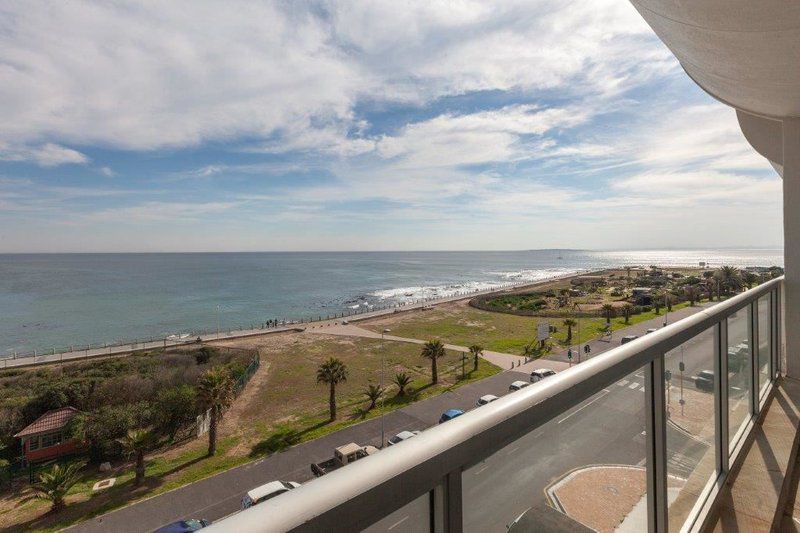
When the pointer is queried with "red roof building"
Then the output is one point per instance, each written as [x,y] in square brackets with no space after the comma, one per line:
[46,438]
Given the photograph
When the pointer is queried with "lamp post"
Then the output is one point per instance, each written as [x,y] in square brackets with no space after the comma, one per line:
[383,365]
[218,321]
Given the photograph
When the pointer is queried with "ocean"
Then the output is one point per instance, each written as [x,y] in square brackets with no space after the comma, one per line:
[53,301]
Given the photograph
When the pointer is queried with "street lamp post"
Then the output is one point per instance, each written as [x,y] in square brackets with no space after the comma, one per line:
[383,366]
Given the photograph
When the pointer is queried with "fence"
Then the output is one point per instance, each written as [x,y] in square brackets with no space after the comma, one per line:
[481,471]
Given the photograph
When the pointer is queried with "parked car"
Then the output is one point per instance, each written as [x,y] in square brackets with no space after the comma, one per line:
[628,338]
[266,492]
[184,526]
[483,400]
[403,435]
[539,374]
[651,330]
[343,455]
[517,385]
[450,414]
[704,380]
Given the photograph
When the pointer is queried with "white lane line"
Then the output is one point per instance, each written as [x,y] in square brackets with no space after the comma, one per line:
[512,450]
[481,470]
[633,385]
[641,389]
[623,382]
[603,393]
[398,523]
[640,375]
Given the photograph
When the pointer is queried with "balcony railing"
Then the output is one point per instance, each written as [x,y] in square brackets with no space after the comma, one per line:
[641,436]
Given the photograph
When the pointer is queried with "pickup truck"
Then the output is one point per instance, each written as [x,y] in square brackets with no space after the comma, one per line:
[343,455]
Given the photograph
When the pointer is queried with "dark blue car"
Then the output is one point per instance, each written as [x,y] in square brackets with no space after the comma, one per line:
[184,526]
[450,414]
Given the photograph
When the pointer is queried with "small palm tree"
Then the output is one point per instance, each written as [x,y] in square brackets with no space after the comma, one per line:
[54,484]
[658,300]
[136,443]
[729,278]
[692,294]
[476,350]
[608,312]
[569,323]
[215,393]
[529,350]
[433,350]
[627,309]
[373,394]
[402,380]
[332,372]
[749,278]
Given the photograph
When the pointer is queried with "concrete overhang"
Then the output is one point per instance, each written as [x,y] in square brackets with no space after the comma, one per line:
[744,53]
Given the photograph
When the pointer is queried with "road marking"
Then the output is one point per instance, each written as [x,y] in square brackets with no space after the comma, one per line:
[623,382]
[512,450]
[641,389]
[633,385]
[604,392]
[640,375]
[399,522]
[481,470]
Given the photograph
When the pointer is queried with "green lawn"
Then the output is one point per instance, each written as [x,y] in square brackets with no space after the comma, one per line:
[499,332]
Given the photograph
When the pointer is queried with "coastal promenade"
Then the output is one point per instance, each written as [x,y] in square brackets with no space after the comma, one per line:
[77,353]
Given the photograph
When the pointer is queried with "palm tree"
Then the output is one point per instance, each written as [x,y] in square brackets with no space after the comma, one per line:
[658,300]
[54,484]
[215,394]
[627,309]
[402,381]
[749,278]
[136,443]
[692,294]
[373,394]
[608,312]
[476,350]
[569,323]
[433,350]
[332,372]
[729,278]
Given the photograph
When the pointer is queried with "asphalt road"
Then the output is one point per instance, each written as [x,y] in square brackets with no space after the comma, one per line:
[606,429]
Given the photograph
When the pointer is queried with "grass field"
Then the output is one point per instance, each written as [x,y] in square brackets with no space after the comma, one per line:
[458,323]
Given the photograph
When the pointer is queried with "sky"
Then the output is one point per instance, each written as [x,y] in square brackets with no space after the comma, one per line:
[382,125]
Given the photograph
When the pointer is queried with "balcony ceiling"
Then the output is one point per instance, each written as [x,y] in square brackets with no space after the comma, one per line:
[745,53]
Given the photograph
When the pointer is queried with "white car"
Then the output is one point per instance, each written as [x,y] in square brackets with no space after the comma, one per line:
[517,385]
[266,492]
[403,435]
[540,373]
[483,400]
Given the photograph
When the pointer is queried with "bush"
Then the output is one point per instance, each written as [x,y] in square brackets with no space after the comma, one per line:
[204,354]
[174,409]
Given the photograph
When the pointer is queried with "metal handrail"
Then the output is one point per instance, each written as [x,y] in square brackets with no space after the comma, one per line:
[355,497]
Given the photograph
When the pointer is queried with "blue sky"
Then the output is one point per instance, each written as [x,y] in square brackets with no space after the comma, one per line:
[363,126]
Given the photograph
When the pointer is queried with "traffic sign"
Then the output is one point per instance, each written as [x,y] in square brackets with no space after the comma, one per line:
[543,331]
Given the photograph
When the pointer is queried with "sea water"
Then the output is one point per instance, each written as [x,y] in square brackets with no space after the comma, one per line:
[57,300]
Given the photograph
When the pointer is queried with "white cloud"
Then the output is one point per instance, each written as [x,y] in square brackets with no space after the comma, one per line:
[45,155]
[142,77]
